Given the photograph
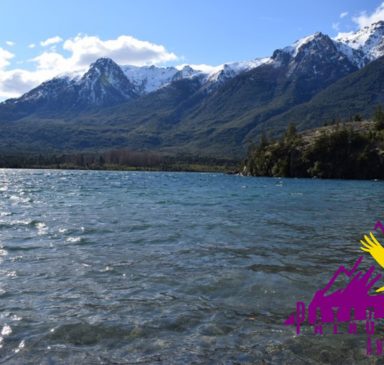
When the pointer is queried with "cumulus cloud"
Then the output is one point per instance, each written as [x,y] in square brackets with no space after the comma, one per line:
[344,14]
[5,57]
[124,50]
[82,50]
[10,43]
[85,49]
[365,19]
[52,61]
[15,82]
[51,41]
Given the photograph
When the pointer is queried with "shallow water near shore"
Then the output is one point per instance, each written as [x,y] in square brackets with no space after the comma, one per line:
[175,268]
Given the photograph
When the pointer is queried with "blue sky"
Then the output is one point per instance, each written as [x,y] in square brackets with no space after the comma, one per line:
[162,32]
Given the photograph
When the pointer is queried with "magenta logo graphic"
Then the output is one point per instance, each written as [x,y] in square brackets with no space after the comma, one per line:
[351,304]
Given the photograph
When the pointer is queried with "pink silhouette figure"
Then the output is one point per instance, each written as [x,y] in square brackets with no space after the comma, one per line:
[379,225]
[338,305]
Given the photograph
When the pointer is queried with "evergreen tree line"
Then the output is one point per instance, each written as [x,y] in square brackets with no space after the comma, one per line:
[339,151]
[120,159]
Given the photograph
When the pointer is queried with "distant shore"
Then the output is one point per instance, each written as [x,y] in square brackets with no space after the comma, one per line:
[228,168]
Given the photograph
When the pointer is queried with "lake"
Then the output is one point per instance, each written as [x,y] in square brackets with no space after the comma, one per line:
[173,268]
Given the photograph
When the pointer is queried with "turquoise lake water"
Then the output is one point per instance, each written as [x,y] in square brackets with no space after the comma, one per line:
[173,268]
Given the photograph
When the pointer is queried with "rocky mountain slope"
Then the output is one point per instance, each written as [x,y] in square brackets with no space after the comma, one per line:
[191,111]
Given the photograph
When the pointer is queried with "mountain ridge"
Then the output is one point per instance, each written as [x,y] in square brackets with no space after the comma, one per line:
[190,110]
[360,47]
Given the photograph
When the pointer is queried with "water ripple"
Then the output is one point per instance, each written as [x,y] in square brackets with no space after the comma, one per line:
[134,267]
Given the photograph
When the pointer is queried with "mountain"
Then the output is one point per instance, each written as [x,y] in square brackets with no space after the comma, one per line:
[225,118]
[107,84]
[147,79]
[365,45]
[103,84]
[185,109]
[357,93]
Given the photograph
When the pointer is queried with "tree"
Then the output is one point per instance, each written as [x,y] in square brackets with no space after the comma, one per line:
[357,118]
[378,118]
[263,140]
[291,132]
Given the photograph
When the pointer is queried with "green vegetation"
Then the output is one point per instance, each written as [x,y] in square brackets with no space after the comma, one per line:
[378,118]
[353,150]
[185,118]
[122,159]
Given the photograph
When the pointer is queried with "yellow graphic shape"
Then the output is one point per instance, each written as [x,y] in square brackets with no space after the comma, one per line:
[373,246]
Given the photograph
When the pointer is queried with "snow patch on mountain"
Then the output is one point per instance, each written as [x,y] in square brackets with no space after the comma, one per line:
[106,83]
[294,49]
[149,78]
[364,45]
[230,70]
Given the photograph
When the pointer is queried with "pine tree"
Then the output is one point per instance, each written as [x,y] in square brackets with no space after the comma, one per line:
[378,118]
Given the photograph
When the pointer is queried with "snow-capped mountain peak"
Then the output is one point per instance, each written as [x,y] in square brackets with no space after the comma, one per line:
[295,48]
[313,57]
[151,78]
[232,69]
[366,43]
[148,78]
[107,83]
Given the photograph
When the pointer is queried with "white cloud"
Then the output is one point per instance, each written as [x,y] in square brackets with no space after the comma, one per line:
[123,50]
[365,19]
[10,43]
[87,49]
[344,14]
[5,56]
[15,82]
[52,61]
[83,50]
[336,26]
[51,41]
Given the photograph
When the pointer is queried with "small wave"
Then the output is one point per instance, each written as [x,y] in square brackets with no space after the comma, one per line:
[20,347]
[6,330]
[87,334]
[41,228]
[22,248]
[6,224]
[98,230]
[107,268]
[76,240]
[19,199]
[15,317]
[5,214]
[21,222]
